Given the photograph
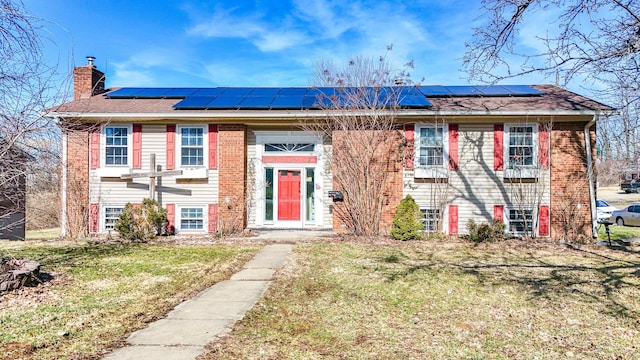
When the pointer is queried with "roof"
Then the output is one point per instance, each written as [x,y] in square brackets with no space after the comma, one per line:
[231,102]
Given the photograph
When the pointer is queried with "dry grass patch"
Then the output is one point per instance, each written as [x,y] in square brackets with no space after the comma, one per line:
[422,300]
[98,294]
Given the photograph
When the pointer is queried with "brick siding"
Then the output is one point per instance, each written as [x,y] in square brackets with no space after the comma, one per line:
[87,81]
[569,185]
[232,155]
[77,172]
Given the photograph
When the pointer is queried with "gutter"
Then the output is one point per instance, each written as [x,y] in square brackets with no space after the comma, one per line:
[590,171]
[296,114]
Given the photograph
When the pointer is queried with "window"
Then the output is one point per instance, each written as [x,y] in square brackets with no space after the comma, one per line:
[192,146]
[430,146]
[520,221]
[430,219]
[521,148]
[268,195]
[116,145]
[111,214]
[288,147]
[192,219]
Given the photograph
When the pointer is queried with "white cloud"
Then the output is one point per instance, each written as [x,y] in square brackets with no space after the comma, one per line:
[265,36]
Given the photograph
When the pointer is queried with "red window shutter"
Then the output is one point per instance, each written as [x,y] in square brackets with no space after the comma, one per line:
[137,146]
[213,146]
[453,146]
[498,212]
[498,147]
[94,217]
[409,135]
[171,217]
[94,147]
[543,221]
[543,146]
[453,219]
[213,218]
[171,147]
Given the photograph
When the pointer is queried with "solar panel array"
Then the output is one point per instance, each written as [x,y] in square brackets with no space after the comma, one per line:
[313,97]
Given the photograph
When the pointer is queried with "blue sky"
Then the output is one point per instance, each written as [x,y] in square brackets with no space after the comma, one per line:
[185,43]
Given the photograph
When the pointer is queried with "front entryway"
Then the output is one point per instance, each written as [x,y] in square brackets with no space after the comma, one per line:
[289,195]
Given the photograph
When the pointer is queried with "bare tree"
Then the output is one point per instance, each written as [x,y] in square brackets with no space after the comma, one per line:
[594,39]
[360,113]
[27,87]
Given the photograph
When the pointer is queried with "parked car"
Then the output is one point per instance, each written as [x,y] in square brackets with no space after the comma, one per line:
[630,186]
[604,210]
[629,216]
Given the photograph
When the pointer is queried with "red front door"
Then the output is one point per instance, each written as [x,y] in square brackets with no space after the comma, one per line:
[288,195]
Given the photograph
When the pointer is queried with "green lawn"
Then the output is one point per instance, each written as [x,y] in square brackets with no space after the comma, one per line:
[44,234]
[619,232]
[425,300]
[99,294]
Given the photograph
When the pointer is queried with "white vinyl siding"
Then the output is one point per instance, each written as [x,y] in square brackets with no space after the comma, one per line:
[476,187]
[170,190]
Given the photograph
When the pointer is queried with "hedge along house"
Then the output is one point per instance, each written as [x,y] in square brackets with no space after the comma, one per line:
[237,157]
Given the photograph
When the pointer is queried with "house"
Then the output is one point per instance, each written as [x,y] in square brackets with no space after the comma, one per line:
[13,192]
[237,158]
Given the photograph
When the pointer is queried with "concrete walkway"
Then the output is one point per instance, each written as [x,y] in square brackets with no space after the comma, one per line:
[191,325]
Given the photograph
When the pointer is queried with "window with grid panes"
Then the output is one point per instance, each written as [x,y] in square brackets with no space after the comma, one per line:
[191,219]
[192,146]
[116,145]
[430,146]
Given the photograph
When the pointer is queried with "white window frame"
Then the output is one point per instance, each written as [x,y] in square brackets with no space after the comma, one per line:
[205,219]
[423,218]
[205,146]
[193,171]
[521,171]
[507,220]
[295,137]
[115,170]
[103,216]
[431,171]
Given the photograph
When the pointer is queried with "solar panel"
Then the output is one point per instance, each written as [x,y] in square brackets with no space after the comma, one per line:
[292,92]
[152,93]
[256,102]
[209,91]
[237,91]
[434,90]
[494,90]
[194,102]
[463,90]
[311,102]
[287,102]
[124,93]
[522,90]
[225,102]
[265,92]
[177,93]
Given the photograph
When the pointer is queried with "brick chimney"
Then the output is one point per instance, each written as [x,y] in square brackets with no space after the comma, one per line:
[87,80]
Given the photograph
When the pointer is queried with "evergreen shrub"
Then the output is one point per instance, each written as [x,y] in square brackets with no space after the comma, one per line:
[407,223]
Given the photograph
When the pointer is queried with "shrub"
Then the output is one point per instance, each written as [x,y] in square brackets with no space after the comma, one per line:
[485,232]
[141,223]
[407,223]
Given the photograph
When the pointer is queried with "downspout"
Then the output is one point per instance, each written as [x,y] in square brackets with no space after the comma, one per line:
[63,190]
[592,192]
